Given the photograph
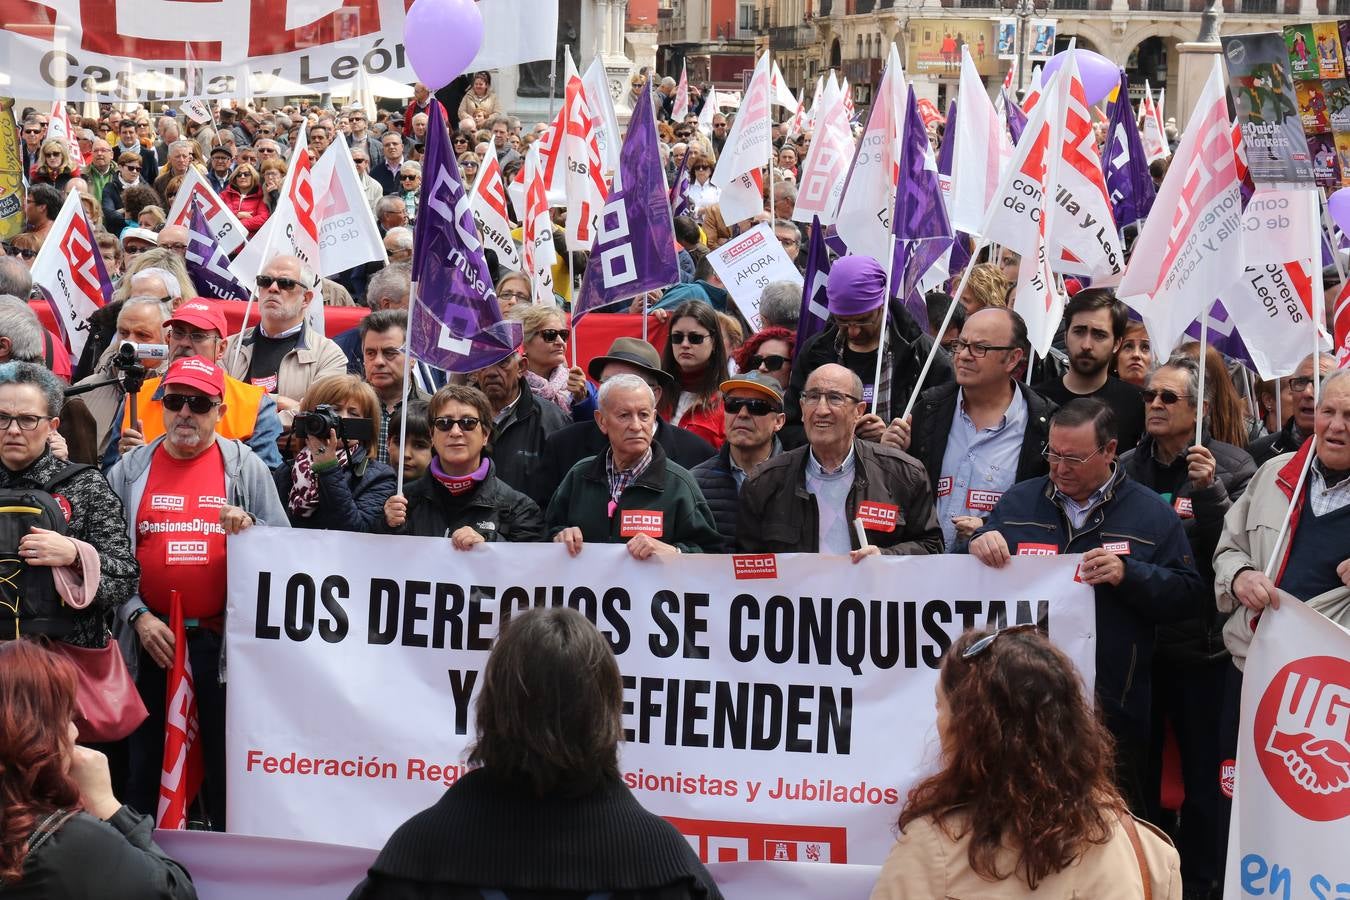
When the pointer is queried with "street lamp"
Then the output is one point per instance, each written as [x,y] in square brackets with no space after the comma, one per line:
[1024,10]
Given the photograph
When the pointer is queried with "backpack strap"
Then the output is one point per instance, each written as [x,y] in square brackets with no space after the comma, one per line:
[70,471]
[48,349]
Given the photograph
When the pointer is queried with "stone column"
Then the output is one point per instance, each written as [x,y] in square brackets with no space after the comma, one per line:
[1194,62]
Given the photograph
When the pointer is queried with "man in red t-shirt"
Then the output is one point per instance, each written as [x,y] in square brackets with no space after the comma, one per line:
[183,493]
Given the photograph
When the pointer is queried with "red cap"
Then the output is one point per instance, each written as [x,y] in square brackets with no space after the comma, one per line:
[196,372]
[201,314]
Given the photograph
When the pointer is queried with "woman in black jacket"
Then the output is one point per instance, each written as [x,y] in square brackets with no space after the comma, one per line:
[63,835]
[335,482]
[460,496]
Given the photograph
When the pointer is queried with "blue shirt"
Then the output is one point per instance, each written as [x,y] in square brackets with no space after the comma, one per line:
[831,490]
[980,463]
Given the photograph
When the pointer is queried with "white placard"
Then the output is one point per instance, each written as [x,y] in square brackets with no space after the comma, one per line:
[749,263]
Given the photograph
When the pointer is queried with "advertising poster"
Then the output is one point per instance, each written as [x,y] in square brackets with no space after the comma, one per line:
[1267,108]
[11,173]
[1343,156]
[1042,44]
[1312,106]
[1007,38]
[1298,42]
[1322,150]
[1330,55]
[934,46]
[1337,93]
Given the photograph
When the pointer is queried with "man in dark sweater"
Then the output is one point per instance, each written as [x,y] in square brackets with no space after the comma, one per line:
[1096,327]
[753,405]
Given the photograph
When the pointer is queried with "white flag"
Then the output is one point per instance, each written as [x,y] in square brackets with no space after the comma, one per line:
[749,148]
[680,108]
[813,114]
[1151,131]
[821,182]
[487,202]
[348,235]
[69,273]
[868,201]
[537,231]
[1190,249]
[584,173]
[781,93]
[59,128]
[292,228]
[977,134]
[196,110]
[607,133]
[229,232]
[705,115]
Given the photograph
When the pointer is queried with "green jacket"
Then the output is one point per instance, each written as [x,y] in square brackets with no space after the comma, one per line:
[666,488]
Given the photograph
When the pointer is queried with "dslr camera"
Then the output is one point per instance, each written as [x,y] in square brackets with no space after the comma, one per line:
[325,418]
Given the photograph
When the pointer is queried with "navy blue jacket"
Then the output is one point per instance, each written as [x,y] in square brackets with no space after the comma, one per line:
[1161,583]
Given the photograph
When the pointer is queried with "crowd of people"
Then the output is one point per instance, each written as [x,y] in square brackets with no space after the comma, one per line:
[742,439]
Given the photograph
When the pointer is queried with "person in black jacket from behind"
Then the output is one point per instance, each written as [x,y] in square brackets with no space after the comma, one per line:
[460,497]
[1190,664]
[753,406]
[337,483]
[546,812]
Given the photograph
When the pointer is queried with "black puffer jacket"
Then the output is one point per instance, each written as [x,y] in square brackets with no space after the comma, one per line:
[493,509]
[518,442]
[715,479]
[351,497]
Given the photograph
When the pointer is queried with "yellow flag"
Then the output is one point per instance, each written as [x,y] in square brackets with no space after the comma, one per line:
[11,173]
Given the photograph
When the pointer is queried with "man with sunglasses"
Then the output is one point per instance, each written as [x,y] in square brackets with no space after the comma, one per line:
[1201,482]
[280,353]
[982,434]
[753,406]
[184,493]
[1135,555]
[360,136]
[1299,425]
[371,187]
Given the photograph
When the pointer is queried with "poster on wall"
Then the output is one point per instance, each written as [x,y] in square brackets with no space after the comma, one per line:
[1007,38]
[1267,107]
[933,46]
[1042,42]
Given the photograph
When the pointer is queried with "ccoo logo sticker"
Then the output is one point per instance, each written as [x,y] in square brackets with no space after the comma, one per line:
[1302,737]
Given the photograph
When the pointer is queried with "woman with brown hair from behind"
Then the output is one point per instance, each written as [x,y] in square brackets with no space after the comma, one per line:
[1024,803]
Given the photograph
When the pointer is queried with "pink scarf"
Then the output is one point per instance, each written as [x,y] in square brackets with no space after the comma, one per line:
[304,496]
[553,388]
[458,484]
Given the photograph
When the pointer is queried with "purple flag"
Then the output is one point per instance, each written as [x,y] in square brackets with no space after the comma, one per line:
[634,249]
[1222,334]
[1124,164]
[680,204]
[207,264]
[454,307]
[923,233]
[960,257]
[815,307]
[1017,120]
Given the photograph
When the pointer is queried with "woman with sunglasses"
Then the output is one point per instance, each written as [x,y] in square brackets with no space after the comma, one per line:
[460,497]
[696,357]
[409,187]
[546,370]
[53,165]
[246,198]
[768,352]
[335,482]
[468,168]
[1034,810]
[702,192]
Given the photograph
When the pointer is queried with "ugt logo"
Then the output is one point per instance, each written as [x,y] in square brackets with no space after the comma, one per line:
[1302,737]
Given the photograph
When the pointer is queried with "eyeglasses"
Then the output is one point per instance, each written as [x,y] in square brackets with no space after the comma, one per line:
[979,351]
[360,160]
[755,407]
[179,333]
[198,405]
[1168,397]
[25,422]
[554,334]
[267,151]
[513,295]
[694,338]
[833,399]
[1057,459]
[32,131]
[987,641]
[286,284]
[768,363]
[468,165]
[53,154]
[175,247]
[446,423]
[1300,383]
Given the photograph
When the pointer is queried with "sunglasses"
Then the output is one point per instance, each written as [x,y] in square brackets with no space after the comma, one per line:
[130,168]
[286,284]
[1168,397]
[770,363]
[985,642]
[446,423]
[408,177]
[32,131]
[199,405]
[553,334]
[688,337]
[24,254]
[756,407]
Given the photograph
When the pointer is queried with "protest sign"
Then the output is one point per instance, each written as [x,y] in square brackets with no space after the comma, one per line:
[749,263]
[226,229]
[11,173]
[768,699]
[69,274]
[1291,796]
[1267,109]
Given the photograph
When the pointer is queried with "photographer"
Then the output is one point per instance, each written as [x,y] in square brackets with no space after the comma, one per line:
[335,482]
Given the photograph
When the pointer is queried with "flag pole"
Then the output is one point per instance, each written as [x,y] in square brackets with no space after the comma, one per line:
[1289,513]
[773,213]
[403,403]
[1200,400]
[942,329]
[885,318]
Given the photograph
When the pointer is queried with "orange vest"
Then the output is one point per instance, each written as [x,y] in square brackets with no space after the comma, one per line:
[241,410]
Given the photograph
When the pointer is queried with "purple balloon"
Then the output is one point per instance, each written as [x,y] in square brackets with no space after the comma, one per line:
[1099,75]
[442,37]
[1338,204]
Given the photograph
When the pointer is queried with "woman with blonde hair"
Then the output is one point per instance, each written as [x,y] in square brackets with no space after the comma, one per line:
[546,371]
[246,198]
[54,166]
[985,287]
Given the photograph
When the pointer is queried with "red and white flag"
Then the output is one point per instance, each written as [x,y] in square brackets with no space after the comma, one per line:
[821,182]
[181,775]
[1151,131]
[348,234]
[59,128]
[1193,251]
[1033,94]
[229,232]
[584,171]
[293,227]
[537,232]
[813,114]
[748,149]
[974,156]
[868,201]
[607,133]
[1340,323]
[680,108]
[487,202]
[69,272]
[848,99]
[782,94]
[797,124]
[1010,77]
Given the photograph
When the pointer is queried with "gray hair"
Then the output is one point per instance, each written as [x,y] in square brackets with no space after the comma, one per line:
[402,235]
[171,285]
[784,191]
[145,300]
[410,165]
[184,144]
[781,304]
[1191,369]
[1334,376]
[625,382]
[391,281]
[389,203]
[20,324]
[38,376]
[15,279]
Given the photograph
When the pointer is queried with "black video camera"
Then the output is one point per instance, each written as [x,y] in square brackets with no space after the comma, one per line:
[325,419]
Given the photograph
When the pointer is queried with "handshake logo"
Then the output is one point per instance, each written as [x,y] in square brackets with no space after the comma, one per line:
[1302,736]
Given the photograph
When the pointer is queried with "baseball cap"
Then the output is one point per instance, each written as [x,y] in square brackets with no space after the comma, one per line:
[141,234]
[757,382]
[224,150]
[196,372]
[200,314]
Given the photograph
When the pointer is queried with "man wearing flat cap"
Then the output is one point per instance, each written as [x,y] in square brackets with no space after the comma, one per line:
[857,292]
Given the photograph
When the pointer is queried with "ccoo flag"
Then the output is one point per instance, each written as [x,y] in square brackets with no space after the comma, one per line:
[207,264]
[70,274]
[487,200]
[635,241]
[923,234]
[1127,177]
[815,312]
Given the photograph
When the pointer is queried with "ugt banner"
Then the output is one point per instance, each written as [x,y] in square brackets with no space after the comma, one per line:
[1291,806]
[774,707]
